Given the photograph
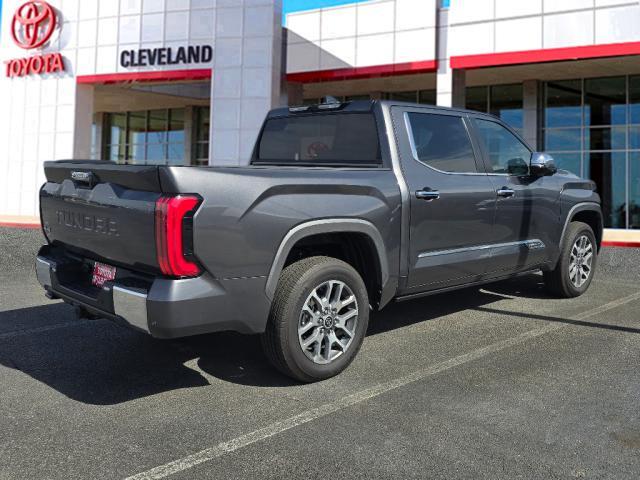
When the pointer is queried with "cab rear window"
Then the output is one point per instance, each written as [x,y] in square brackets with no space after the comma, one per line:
[338,139]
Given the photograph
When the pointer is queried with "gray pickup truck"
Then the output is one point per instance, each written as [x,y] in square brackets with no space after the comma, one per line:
[344,208]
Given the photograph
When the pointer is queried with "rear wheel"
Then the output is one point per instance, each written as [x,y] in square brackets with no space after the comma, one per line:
[318,319]
[576,267]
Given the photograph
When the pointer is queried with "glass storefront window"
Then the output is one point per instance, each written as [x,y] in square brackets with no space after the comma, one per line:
[563,104]
[634,138]
[155,153]
[176,136]
[118,128]
[96,137]
[339,98]
[592,127]
[634,190]
[175,153]
[202,125]
[136,154]
[137,128]
[411,96]
[634,100]
[608,170]
[351,98]
[571,162]
[605,138]
[147,137]
[605,101]
[116,153]
[477,98]
[427,97]
[563,139]
[157,128]
[505,102]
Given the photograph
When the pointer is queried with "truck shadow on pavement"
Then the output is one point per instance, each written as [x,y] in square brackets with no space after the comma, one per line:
[99,362]
[91,361]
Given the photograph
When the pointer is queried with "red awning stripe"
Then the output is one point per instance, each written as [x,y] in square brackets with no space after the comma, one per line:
[155,76]
[427,66]
[545,55]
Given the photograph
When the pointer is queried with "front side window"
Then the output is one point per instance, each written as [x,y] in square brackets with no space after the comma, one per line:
[441,142]
[507,154]
[338,139]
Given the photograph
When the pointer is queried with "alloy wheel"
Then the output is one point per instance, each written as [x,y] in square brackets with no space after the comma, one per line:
[328,321]
[581,261]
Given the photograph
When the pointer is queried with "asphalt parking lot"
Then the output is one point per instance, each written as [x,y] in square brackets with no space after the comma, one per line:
[498,382]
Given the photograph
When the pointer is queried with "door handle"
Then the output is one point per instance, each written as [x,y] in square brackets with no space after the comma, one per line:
[505,192]
[428,195]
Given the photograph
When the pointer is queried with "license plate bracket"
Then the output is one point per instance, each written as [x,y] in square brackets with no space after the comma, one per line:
[102,273]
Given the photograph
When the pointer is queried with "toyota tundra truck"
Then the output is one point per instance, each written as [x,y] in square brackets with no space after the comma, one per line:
[344,208]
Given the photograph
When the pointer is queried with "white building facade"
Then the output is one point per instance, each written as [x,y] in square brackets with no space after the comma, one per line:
[137,84]
[188,81]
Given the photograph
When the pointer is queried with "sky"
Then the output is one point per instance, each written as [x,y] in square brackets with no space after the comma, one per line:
[298,5]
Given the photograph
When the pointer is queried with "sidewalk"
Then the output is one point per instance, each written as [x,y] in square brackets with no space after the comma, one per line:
[621,238]
[19,221]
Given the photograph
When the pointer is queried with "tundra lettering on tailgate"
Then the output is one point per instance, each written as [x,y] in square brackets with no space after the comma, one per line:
[89,223]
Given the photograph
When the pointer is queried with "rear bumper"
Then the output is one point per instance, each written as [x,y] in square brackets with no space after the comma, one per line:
[170,308]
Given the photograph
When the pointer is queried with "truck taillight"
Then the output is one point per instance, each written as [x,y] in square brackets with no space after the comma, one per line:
[171,213]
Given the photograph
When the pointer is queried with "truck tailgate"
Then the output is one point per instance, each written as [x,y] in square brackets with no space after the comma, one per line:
[102,211]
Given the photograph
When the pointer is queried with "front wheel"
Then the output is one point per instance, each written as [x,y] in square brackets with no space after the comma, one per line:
[576,267]
[318,319]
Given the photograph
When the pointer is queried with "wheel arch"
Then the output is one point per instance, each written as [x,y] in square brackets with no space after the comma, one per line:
[335,229]
[589,213]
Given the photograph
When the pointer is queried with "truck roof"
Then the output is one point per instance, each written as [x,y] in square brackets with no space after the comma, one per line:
[363,106]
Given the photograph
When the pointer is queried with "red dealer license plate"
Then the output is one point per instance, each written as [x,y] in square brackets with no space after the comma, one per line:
[102,273]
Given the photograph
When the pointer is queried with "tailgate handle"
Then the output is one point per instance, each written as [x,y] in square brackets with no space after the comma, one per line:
[83,177]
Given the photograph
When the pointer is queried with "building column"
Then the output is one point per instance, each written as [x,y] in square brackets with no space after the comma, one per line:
[294,93]
[450,84]
[531,116]
[247,75]
[83,123]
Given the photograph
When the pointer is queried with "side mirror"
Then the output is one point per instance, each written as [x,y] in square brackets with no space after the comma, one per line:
[517,167]
[542,165]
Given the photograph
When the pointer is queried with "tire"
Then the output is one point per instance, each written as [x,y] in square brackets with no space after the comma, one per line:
[283,341]
[562,280]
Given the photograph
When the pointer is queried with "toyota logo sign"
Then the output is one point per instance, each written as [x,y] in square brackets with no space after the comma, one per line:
[33,24]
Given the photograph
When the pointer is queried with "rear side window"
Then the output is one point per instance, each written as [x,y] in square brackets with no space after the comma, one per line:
[441,142]
[347,139]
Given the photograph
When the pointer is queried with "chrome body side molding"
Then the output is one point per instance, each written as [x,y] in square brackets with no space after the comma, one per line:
[535,244]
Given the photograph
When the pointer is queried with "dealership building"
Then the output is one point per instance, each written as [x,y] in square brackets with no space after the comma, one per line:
[187,82]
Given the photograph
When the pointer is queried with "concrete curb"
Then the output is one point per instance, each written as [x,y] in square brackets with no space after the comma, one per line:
[15,221]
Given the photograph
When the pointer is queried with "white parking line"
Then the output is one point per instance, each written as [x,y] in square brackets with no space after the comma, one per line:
[305,417]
